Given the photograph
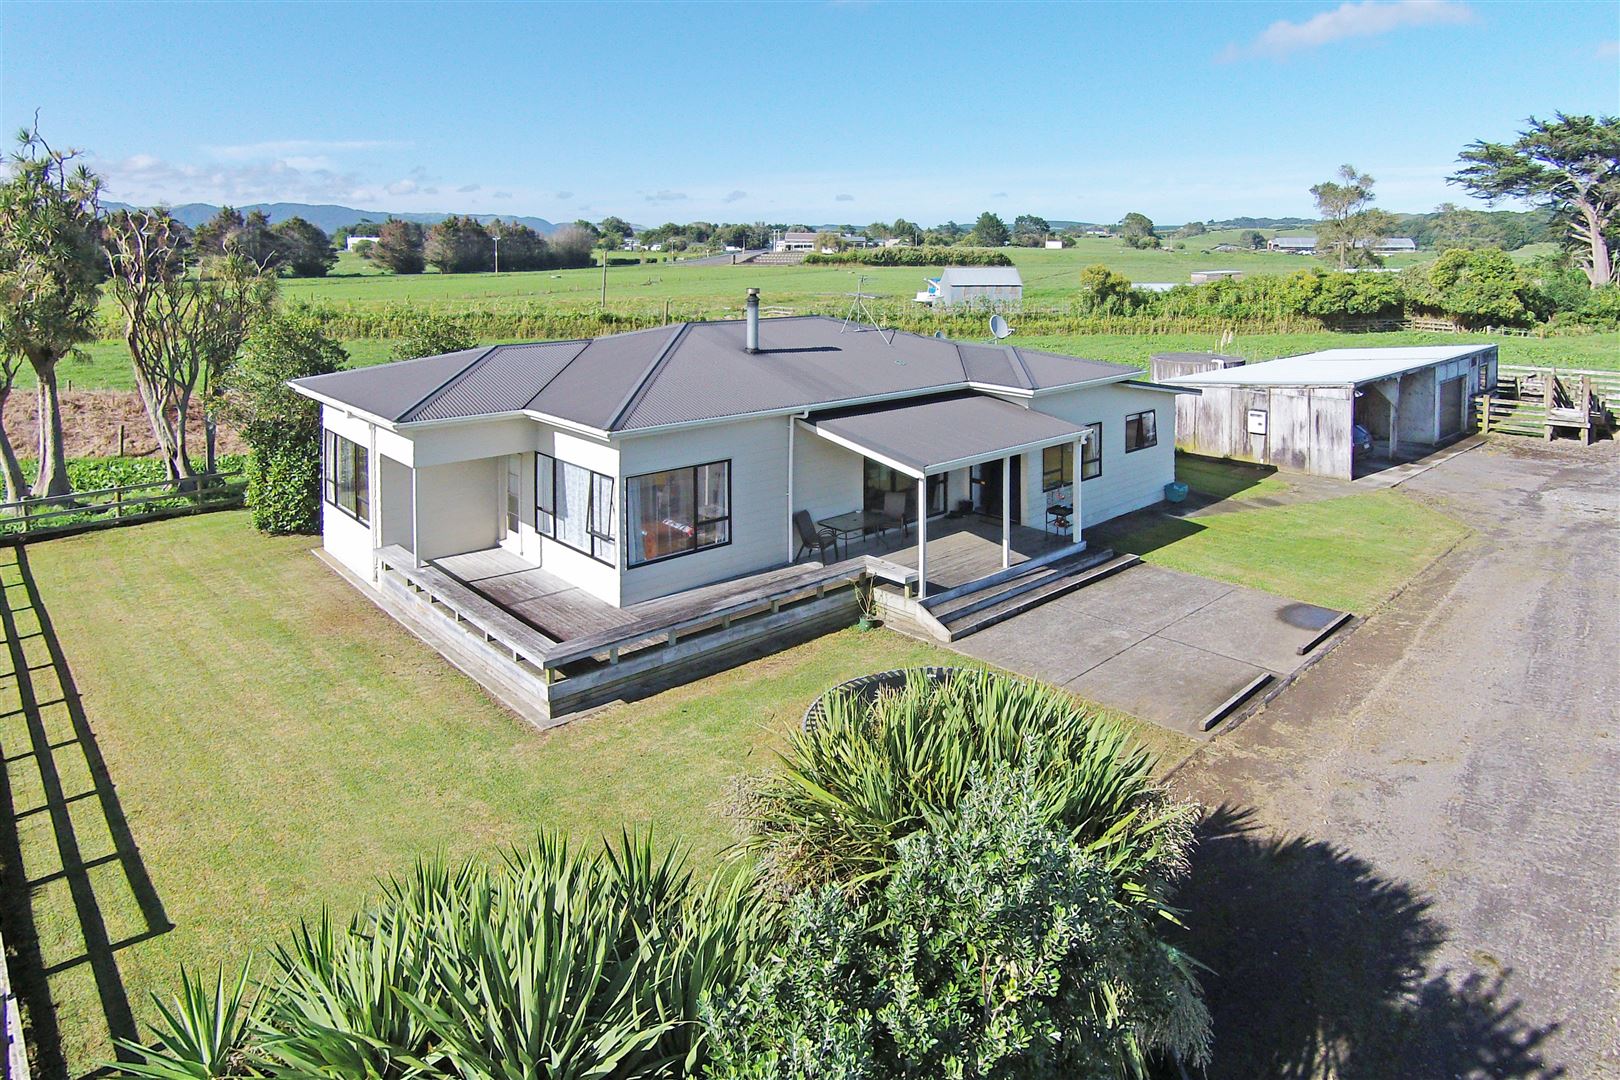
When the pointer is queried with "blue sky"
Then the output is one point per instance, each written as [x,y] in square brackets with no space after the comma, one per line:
[849,112]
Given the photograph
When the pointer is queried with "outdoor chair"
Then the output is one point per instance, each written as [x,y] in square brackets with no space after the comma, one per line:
[811,537]
[896,510]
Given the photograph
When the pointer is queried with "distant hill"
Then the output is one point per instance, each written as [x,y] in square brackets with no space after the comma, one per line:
[328,217]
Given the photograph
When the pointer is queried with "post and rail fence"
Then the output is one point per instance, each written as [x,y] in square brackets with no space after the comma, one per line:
[1540,401]
[55,515]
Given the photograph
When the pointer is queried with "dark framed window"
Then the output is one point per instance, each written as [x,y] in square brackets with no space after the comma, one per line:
[346,476]
[678,511]
[879,480]
[574,506]
[1091,456]
[1057,466]
[1141,431]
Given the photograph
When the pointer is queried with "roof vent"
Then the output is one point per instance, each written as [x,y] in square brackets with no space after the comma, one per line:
[753,321]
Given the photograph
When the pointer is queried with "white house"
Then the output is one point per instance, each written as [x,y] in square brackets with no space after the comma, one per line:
[1000,287]
[1292,245]
[646,464]
[794,240]
[1054,245]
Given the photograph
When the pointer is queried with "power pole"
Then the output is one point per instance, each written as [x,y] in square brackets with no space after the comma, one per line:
[497,239]
[604,278]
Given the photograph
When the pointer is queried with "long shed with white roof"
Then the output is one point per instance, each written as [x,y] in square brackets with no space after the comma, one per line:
[1301,412]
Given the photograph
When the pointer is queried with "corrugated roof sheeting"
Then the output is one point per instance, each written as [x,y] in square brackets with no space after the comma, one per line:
[1334,367]
[921,436]
[503,381]
[599,382]
[389,390]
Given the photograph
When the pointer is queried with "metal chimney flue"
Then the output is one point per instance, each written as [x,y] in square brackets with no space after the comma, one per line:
[753,320]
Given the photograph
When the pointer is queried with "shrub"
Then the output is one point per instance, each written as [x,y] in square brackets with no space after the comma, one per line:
[427,334]
[930,255]
[1479,287]
[555,964]
[865,776]
[282,429]
[999,947]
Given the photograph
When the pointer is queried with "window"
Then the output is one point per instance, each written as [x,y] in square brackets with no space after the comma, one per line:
[1091,456]
[574,506]
[880,480]
[1057,466]
[1141,431]
[514,494]
[346,476]
[678,511]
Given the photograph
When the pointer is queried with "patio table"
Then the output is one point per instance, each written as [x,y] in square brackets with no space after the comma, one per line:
[854,523]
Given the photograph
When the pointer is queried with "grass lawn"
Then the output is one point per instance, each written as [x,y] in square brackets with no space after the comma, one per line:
[1349,553]
[276,744]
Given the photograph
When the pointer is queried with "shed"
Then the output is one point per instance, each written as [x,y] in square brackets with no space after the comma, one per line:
[1293,245]
[1300,412]
[1169,365]
[1204,277]
[1000,287]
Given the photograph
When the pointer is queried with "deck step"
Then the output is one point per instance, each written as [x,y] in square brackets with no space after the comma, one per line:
[1051,583]
[1010,582]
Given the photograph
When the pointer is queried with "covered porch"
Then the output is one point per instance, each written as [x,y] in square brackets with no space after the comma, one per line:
[926,441]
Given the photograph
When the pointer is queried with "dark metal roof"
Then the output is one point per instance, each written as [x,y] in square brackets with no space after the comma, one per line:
[926,436]
[692,372]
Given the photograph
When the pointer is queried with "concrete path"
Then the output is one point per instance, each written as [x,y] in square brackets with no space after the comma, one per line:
[1413,864]
[1159,644]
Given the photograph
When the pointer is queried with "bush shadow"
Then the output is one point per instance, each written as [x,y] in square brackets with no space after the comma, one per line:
[1321,968]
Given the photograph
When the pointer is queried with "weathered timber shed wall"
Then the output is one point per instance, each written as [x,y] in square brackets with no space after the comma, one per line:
[1306,428]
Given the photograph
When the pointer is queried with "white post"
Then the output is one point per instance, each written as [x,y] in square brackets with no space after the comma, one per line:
[792,548]
[1006,512]
[1074,486]
[416,512]
[922,538]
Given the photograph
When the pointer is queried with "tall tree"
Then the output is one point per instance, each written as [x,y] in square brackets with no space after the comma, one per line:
[570,246]
[256,242]
[459,245]
[614,231]
[50,274]
[399,247]
[1350,227]
[306,249]
[183,324]
[211,234]
[1570,164]
[990,230]
[1029,230]
[1137,231]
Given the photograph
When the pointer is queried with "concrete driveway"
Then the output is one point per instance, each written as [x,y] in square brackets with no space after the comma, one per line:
[1412,863]
[1159,644]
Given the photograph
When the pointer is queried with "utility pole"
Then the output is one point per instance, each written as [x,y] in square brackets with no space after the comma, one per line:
[604,278]
[497,238]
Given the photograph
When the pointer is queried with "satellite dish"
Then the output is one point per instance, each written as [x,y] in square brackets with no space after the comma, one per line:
[940,334]
[999,327]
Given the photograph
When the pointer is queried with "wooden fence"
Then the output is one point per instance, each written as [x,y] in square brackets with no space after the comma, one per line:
[1525,398]
[39,518]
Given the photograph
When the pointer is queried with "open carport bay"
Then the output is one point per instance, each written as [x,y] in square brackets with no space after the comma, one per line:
[1159,644]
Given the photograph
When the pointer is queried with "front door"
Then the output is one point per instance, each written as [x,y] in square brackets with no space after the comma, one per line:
[512,505]
[987,493]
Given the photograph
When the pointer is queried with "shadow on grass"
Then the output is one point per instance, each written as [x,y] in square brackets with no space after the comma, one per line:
[1320,969]
[42,695]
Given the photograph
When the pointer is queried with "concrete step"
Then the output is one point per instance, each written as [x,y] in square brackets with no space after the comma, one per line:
[1043,587]
[1010,582]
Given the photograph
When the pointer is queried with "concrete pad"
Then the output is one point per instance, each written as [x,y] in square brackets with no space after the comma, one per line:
[1254,627]
[1164,681]
[1062,643]
[1148,598]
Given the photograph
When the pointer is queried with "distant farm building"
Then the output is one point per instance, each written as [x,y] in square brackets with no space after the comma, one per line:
[1395,245]
[1000,287]
[794,240]
[1292,245]
[1054,245]
[1327,412]
[1204,277]
[352,242]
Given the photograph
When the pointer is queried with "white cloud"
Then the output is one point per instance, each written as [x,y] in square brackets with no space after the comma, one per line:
[1356,18]
[565,194]
[1608,50]
[143,179]
[286,148]
[466,188]
[665,195]
[735,196]
[843,198]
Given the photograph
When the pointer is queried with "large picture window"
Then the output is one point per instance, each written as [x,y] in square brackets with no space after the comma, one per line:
[574,506]
[1091,455]
[346,476]
[1141,431]
[678,511]
[880,480]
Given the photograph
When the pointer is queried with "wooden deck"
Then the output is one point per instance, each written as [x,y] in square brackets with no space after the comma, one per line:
[960,550]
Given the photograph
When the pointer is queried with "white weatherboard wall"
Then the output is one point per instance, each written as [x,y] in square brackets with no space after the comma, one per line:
[344,538]
[757,450]
[827,478]
[1128,481]
[457,509]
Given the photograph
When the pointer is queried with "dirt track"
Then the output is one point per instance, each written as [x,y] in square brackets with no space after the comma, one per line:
[1414,867]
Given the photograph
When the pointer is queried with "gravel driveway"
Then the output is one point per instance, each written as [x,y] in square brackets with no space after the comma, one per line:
[1412,864]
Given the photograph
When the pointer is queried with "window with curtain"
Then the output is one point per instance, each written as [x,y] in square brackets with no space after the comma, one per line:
[346,476]
[574,506]
[1091,455]
[678,511]
[1141,431]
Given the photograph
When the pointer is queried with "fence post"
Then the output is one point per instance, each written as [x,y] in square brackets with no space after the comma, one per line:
[118,493]
[1485,418]
[25,508]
